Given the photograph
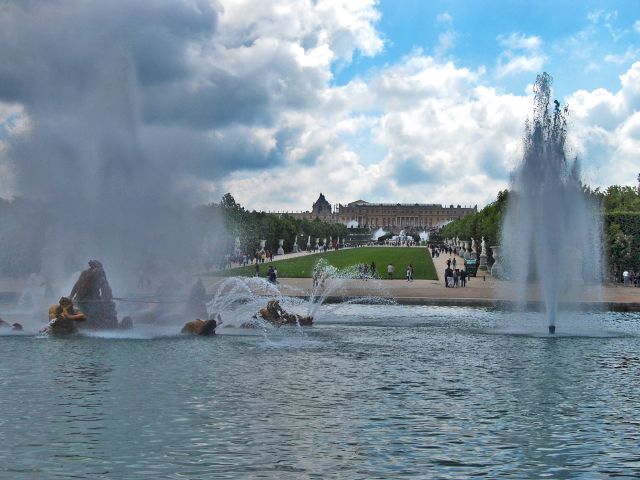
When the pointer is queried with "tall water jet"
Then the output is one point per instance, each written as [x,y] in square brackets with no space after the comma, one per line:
[551,233]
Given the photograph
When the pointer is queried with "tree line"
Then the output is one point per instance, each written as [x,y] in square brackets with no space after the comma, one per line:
[249,227]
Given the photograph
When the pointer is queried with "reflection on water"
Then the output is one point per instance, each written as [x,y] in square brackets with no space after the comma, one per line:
[417,392]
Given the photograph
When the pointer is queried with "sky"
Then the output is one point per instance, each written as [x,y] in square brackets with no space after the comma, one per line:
[385,101]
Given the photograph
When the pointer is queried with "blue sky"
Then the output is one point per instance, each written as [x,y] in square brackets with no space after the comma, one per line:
[576,36]
[275,102]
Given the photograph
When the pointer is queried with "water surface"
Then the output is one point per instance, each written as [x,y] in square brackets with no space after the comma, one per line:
[369,392]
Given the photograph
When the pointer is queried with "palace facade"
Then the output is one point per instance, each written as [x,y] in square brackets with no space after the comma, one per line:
[391,217]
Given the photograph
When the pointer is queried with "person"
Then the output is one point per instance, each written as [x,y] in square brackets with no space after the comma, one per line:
[454,263]
[448,277]
[63,315]
[448,263]
[455,277]
[275,274]
[409,273]
[390,271]
[373,269]
[271,275]
[463,278]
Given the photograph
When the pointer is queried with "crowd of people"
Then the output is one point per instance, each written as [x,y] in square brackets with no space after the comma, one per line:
[454,275]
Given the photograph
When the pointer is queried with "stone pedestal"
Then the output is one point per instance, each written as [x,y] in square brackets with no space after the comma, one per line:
[280,249]
[295,248]
[483,263]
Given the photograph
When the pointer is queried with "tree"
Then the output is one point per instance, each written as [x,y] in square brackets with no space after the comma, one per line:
[229,203]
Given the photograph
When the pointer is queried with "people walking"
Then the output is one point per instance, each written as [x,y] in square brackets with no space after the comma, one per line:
[410,273]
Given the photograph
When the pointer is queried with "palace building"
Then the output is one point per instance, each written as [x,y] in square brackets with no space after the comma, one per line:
[389,216]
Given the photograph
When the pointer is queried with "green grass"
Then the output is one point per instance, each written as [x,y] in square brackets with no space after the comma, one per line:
[400,257]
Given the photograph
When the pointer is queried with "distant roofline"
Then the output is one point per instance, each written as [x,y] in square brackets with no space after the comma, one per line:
[359,203]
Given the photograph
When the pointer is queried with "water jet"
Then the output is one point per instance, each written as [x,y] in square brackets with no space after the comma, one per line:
[551,233]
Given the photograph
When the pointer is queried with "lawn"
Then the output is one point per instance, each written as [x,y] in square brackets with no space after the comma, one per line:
[400,257]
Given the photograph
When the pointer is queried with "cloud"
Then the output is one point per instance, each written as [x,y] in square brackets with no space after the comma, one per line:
[446,39]
[516,64]
[519,41]
[446,42]
[605,130]
[182,101]
[628,56]
[444,18]
[205,75]
[521,54]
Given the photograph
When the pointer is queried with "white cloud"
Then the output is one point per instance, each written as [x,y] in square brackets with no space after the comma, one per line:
[446,138]
[446,39]
[522,54]
[252,110]
[630,55]
[519,41]
[446,42]
[515,64]
[604,129]
[444,17]
[636,26]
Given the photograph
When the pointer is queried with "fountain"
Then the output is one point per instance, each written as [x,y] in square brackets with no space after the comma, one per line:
[496,268]
[378,233]
[548,224]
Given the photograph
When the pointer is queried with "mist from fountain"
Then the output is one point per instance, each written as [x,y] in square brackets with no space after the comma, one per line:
[551,232]
[101,192]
